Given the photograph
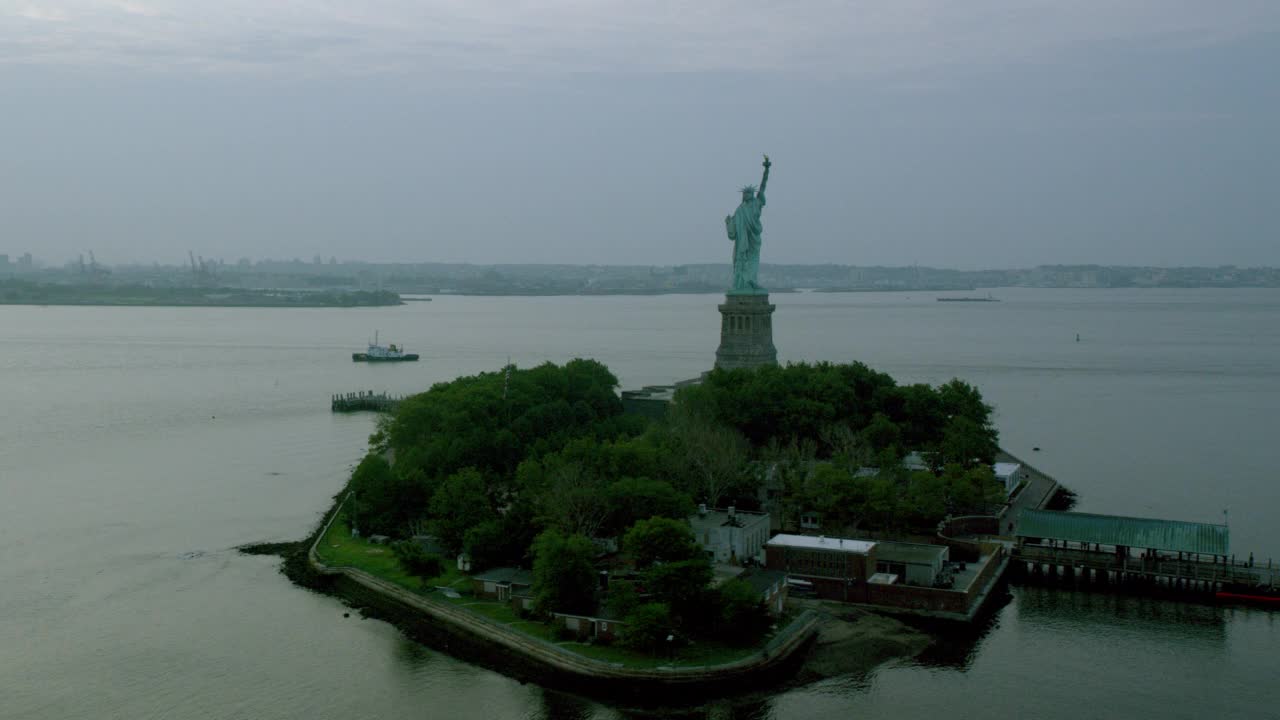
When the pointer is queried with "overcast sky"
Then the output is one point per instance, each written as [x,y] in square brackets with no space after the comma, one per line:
[961,133]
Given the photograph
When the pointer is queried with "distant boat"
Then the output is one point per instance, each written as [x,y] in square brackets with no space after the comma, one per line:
[988,298]
[383,353]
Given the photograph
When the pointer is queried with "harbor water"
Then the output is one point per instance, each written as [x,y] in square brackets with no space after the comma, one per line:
[140,446]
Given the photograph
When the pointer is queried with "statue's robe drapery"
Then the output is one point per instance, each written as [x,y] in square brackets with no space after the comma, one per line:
[744,229]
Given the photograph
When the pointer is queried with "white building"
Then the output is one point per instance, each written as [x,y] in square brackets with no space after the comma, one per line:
[1009,475]
[731,535]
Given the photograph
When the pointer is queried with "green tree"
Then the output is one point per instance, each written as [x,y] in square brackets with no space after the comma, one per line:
[416,560]
[882,501]
[487,544]
[385,501]
[682,585]
[713,456]
[971,490]
[646,627]
[574,500]
[742,617]
[967,443]
[925,502]
[622,598]
[632,499]
[882,433]
[457,506]
[919,413]
[660,540]
[564,575]
[493,420]
[960,399]
[674,569]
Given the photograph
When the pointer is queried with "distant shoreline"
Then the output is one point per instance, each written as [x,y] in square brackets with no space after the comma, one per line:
[47,294]
[359,298]
[5,303]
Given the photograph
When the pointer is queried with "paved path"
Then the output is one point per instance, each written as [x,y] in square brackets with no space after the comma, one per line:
[1039,489]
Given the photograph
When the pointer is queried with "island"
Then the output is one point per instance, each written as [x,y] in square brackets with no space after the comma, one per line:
[27,292]
[525,519]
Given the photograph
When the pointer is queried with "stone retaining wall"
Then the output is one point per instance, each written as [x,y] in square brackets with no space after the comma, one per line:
[486,642]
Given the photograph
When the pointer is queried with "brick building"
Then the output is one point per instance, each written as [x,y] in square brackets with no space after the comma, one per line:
[836,568]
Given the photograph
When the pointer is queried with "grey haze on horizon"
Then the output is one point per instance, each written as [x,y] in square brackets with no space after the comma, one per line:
[983,134]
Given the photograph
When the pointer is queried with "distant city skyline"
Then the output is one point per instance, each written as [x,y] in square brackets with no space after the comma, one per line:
[988,134]
[38,261]
[334,264]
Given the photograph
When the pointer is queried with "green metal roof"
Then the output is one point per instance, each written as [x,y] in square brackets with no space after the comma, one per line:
[1168,535]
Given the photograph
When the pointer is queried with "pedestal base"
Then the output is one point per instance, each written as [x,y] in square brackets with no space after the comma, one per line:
[746,332]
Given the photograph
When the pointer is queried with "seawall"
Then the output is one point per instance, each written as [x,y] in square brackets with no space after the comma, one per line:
[485,642]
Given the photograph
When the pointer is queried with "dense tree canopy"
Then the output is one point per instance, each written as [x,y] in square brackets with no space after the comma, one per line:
[660,540]
[540,467]
[493,420]
[742,615]
[829,405]
[674,568]
[458,506]
[386,501]
[633,499]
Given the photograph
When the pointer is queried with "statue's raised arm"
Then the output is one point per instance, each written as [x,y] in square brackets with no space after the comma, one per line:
[764,180]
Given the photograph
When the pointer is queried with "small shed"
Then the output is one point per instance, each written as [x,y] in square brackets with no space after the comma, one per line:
[602,626]
[1008,474]
[501,583]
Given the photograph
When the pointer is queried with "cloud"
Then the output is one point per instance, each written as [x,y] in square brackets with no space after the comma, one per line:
[824,36]
[40,14]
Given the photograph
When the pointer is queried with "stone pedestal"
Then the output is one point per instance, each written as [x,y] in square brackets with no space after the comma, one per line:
[746,332]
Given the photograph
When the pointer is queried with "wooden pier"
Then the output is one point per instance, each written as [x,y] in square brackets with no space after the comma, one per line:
[364,401]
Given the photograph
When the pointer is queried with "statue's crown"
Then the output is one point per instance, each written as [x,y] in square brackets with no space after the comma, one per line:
[749,189]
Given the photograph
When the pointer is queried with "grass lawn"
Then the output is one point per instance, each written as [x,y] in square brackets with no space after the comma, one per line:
[338,549]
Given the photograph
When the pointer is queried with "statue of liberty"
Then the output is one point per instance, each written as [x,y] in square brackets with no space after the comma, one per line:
[744,230]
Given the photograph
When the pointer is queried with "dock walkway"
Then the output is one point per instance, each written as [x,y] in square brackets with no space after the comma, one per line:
[1035,495]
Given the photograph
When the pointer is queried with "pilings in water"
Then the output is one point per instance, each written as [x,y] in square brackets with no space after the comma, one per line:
[1135,580]
[358,401]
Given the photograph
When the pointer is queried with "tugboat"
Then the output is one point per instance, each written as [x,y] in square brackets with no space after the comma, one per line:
[383,353]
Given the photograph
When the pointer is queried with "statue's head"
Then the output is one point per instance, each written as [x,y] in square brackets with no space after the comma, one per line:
[748,192]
